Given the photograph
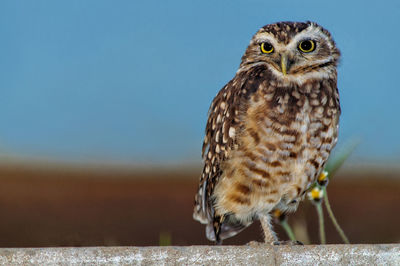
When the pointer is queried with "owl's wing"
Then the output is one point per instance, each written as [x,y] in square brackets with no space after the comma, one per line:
[223,127]
[222,131]
[220,139]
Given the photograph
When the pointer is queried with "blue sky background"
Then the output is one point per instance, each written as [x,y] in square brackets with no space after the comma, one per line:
[131,81]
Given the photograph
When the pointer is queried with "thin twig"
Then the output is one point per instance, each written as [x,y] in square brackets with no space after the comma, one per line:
[288,230]
[334,221]
[321,223]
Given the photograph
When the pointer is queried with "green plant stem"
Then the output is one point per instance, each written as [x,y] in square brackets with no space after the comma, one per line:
[334,164]
[334,221]
[321,223]
[165,239]
[288,230]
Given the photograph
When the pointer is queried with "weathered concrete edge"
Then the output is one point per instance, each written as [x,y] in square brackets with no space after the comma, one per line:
[382,254]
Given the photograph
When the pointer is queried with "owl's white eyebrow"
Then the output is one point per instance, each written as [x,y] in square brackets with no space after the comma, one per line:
[312,33]
[264,39]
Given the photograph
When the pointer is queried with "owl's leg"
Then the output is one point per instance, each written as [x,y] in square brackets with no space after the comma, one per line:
[269,234]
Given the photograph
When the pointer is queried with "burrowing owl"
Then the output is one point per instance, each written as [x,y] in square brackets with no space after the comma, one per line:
[270,130]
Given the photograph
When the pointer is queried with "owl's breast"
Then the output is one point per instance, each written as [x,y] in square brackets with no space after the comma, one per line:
[284,143]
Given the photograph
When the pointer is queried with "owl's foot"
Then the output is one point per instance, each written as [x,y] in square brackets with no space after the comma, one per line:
[287,243]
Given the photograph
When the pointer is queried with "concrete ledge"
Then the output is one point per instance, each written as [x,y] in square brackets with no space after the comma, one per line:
[384,254]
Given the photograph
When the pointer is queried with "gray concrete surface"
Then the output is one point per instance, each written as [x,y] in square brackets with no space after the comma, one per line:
[384,254]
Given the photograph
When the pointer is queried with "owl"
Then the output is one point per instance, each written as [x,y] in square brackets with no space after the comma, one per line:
[270,129]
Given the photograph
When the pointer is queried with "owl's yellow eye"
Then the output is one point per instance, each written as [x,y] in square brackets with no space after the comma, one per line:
[266,48]
[307,46]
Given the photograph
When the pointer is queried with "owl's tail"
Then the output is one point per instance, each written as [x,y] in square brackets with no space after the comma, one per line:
[204,213]
[229,228]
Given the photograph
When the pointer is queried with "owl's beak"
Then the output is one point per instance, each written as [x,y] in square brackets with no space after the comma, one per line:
[284,63]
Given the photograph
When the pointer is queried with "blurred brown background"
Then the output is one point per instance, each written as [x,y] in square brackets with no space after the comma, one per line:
[96,206]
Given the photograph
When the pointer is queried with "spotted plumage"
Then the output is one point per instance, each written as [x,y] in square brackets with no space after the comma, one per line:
[270,130]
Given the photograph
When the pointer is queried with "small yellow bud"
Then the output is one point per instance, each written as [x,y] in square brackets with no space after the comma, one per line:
[277,213]
[323,178]
[315,194]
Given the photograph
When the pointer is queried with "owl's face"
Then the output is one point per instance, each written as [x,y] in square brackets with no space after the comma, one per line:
[293,51]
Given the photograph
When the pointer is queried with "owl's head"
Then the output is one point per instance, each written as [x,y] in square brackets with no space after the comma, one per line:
[293,51]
